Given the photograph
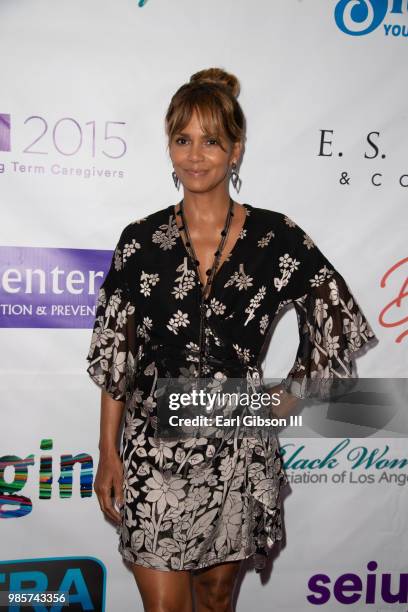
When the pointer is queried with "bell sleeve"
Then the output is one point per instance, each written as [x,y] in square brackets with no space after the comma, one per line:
[112,350]
[332,326]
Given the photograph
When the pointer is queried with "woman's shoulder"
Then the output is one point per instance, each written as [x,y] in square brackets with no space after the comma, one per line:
[268,216]
[142,224]
[282,227]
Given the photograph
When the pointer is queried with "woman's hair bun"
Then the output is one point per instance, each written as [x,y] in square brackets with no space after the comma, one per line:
[217,76]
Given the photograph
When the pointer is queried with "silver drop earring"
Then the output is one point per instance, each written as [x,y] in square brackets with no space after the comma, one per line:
[236,181]
[176,180]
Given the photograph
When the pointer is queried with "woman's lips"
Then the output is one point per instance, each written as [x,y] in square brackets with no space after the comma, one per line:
[196,172]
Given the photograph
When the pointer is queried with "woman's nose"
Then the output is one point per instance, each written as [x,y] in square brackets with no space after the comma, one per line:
[195,151]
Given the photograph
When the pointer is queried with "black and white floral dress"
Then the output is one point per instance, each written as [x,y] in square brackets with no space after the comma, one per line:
[197,501]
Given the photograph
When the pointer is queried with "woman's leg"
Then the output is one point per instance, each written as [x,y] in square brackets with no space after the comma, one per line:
[163,591]
[214,587]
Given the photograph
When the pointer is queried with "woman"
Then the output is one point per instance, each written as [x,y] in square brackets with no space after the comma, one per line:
[191,293]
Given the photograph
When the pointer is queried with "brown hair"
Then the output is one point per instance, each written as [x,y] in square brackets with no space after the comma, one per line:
[213,94]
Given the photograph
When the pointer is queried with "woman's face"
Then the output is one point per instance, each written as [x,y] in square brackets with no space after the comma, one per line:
[198,159]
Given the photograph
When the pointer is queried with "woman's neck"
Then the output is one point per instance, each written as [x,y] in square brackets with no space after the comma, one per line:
[206,208]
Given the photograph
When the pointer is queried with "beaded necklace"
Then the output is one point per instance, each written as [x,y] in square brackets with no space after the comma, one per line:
[217,255]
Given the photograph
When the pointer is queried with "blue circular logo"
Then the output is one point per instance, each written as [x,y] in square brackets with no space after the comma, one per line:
[358,17]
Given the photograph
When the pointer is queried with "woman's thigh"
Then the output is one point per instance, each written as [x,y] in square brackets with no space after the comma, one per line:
[164,591]
[214,587]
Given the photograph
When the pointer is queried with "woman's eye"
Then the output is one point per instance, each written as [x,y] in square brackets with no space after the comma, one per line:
[181,140]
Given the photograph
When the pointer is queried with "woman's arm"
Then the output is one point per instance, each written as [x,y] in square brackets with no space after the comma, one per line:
[111,417]
[110,470]
[111,355]
[287,403]
[332,326]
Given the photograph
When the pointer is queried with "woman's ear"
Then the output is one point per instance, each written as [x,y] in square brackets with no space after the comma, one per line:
[237,151]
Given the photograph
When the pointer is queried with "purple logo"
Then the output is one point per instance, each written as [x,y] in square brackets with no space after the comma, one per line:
[351,588]
[50,287]
[5,132]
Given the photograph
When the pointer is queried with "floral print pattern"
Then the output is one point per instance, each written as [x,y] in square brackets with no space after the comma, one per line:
[240,279]
[201,500]
[147,281]
[287,266]
[185,281]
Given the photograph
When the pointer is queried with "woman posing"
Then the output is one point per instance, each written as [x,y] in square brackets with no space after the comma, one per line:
[191,293]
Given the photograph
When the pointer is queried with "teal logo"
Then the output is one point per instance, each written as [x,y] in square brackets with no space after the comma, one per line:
[79,583]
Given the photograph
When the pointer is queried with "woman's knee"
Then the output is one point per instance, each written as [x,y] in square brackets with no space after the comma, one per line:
[217,597]
[167,603]
[214,589]
[163,591]
[166,606]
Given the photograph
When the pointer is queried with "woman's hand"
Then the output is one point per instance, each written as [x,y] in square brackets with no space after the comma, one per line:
[287,401]
[109,475]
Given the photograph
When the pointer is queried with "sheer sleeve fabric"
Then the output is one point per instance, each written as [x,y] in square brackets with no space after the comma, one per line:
[332,326]
[113,348]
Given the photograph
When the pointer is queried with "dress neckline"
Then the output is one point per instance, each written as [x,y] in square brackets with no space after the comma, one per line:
[248,209]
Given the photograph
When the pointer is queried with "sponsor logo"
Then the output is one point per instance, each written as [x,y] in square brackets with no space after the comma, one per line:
[360,17]
[5,132]
[83,579]
[344,464]
[350,588]
[15,505]
[391,315]
[373,152]
[64,147]
[50,287]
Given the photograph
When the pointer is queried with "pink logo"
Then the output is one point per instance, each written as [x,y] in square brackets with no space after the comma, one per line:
[390,310]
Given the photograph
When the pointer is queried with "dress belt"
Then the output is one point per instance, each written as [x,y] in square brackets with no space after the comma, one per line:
[178,354]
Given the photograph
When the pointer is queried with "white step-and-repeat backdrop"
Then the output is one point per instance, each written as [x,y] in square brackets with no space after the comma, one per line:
[83,91]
